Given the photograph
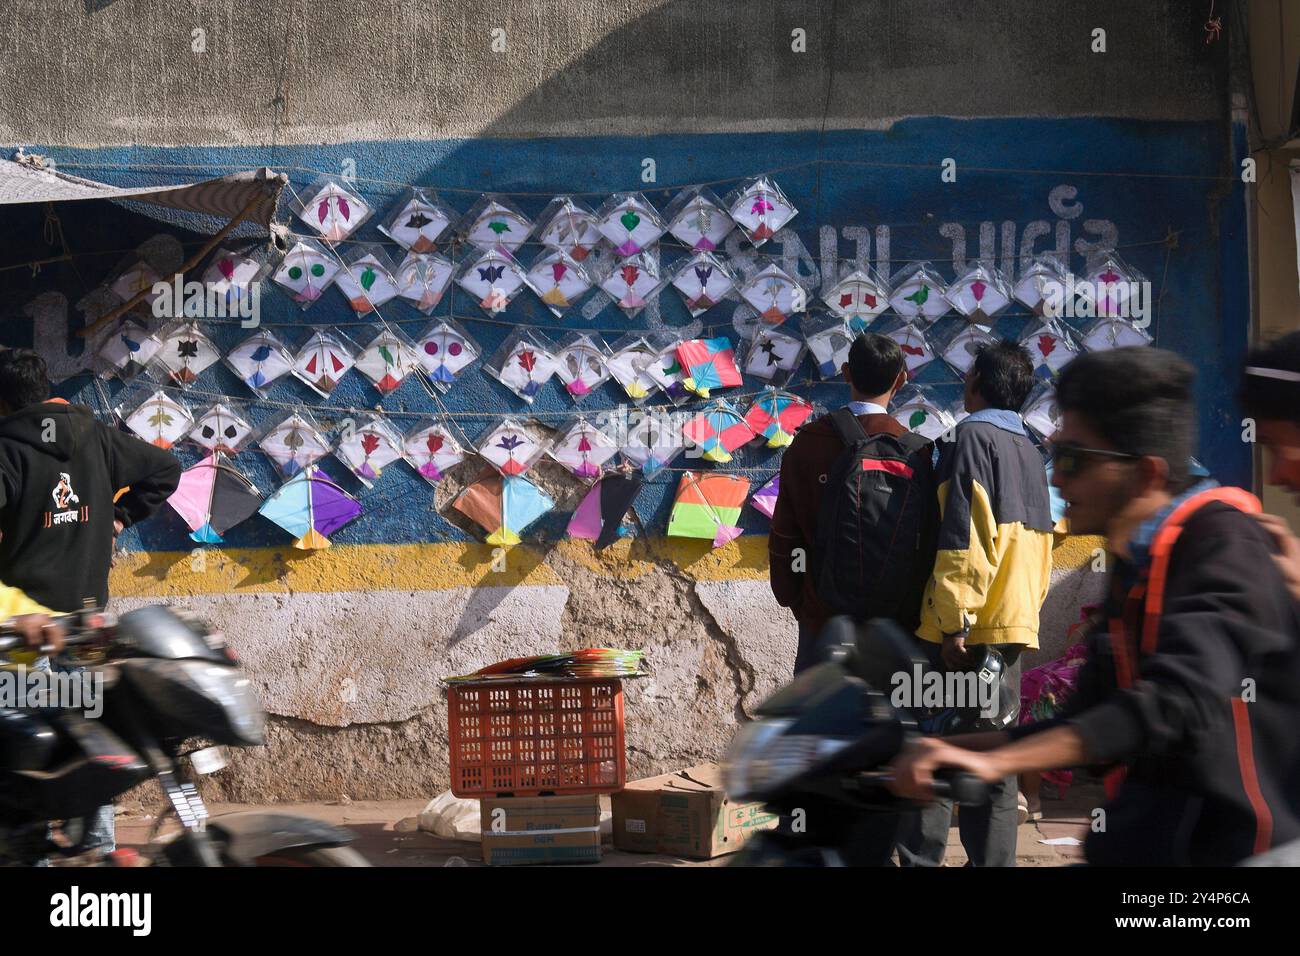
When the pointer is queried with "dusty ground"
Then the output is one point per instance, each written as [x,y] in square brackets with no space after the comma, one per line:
[383,837]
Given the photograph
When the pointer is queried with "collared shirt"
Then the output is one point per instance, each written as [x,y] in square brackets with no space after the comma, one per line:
[1004,418]
[1140,544]
[867,408]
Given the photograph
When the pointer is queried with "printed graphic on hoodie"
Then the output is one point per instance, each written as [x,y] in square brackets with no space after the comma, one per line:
[64,497]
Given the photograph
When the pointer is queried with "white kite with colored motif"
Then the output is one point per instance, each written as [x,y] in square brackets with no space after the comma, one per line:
[979,292]
[332,210]
[630,223]
[759,208]
[918,294]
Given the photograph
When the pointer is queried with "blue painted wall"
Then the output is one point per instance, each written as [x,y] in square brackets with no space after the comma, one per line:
[1176,176]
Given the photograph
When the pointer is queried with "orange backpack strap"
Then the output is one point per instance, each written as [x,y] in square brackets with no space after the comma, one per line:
[1162,545]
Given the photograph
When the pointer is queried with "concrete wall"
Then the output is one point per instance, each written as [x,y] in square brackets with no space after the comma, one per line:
[347,644]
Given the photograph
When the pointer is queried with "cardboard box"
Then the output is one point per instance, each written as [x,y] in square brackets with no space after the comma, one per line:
[523,830]
[685,814]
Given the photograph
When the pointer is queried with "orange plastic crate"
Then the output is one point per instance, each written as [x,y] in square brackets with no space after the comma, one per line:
[536,737]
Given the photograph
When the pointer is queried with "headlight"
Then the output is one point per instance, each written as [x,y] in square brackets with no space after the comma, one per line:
[762,758]
[233,692]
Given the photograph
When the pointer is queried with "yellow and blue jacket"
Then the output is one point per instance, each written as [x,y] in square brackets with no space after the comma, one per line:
[994,560]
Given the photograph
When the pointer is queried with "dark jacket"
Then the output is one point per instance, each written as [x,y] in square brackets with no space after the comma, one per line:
[994,559]
[59,472]
[804,468]
[1208,728]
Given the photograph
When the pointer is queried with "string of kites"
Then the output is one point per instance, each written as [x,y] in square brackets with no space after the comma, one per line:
[214,496]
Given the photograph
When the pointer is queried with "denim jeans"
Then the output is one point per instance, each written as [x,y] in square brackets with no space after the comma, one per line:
[98,829]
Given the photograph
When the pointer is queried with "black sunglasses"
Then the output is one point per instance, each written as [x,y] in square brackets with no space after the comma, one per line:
[1069,459]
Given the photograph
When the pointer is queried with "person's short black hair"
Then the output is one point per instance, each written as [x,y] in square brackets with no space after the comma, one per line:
[874,363]
[1006,374]
[24,379]
[1266,394]
[1140,400]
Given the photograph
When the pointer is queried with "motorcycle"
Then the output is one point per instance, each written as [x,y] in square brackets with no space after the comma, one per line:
[816,750]
[165,679]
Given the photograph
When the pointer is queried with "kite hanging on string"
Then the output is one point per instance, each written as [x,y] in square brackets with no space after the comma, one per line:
[418,220]
[510,447]
[703,280]
[773,356]
[1044,283]
[1041,412]
[184,353]
[627,365]
[495,223]
[423,279]
[776,416]
[136,278]
[764,499]
[918,294]
[653,441]
[829,342]
[388,359]
[367,278]
[858,298]
[445,350]
[718,431]
[1111,290]
[558,280]
[759,208]
[126,351]
[221,428]
[306,271]
[1102,334]
[160,419]
[584,449]
[212,497]
[259,361]
[697,219]
[962,348]
[917,352]
[708,364]
[599,517]
[332,210]
[231,276]
[493,279]
[917,410]
[669,374]
[369,449]
[630,223]
[581,365]
[502,506]
[979,292]
[633,282]
[774,294]
[323,360]
[568,224]
[1051,346]
[294,442]
[523,363]
[432,449]
[311,507]
[708,506]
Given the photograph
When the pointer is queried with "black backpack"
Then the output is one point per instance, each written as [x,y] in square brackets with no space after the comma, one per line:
[870,523]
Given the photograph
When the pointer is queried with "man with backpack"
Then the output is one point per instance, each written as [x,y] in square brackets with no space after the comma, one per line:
[856,515]
[991,573]
[1189,693]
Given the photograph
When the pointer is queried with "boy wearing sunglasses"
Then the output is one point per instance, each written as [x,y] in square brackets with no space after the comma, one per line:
[1191,692]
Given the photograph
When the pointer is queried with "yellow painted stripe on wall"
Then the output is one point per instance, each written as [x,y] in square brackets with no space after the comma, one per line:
[445,565]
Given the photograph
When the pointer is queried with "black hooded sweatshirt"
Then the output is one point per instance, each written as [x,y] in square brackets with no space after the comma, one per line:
[59,472]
